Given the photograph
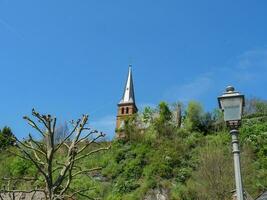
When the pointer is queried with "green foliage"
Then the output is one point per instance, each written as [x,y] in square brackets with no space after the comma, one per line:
[193,116]
[205,122]
[162,123]
[254,134]
[214,172]
[20,167]
[255,107]
[191,162]
[130,129]
[147,115]
[6,138]
[123,186]
[164,112]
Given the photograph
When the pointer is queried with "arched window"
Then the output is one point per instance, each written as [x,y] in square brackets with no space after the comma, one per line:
[127,110]
[122,110]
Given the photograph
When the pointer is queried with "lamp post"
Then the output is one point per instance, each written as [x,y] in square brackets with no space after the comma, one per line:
[232,104]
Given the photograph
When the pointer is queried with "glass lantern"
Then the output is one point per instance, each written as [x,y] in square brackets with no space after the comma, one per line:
[232,104]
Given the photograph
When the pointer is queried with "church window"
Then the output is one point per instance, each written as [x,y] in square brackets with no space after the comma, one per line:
[122,111]
[127,110]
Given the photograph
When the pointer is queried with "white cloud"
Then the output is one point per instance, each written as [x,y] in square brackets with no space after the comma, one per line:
[251,66]
[253,59]
[247,68]
[194,89]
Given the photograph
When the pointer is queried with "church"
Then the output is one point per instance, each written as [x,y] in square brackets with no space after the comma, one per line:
[127,106]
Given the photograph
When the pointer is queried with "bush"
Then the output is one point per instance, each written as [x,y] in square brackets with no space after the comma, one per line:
[124,186]
[20,167]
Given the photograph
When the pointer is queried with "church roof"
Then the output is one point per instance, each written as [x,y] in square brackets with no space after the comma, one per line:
[128,95]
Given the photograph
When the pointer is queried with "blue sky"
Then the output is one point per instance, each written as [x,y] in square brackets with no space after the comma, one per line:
[68,57]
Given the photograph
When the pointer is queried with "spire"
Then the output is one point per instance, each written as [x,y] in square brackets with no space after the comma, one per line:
[128,95]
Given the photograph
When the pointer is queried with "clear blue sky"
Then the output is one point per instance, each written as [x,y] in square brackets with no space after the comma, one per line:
[68,57]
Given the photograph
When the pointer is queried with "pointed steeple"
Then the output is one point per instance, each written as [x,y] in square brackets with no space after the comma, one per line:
[128,95]
[127,106]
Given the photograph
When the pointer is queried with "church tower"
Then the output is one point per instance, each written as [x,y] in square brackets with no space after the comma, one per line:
[127,106]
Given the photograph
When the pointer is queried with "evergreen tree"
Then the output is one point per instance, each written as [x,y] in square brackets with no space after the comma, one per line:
[6,138]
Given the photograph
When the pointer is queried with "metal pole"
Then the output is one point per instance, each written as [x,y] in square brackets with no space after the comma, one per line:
[236,153]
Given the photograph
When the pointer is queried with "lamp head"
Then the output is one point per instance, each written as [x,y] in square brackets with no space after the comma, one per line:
[232,104]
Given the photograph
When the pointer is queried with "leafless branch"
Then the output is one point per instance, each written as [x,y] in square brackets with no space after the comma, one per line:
[88,135]
[40,145]
[33,124]
[90,142]
[18,155]
[19,178]
[86,171]
[69,136]
[92,152]
[42,154]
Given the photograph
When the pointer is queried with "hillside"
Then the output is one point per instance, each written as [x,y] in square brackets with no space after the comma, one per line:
[185,161]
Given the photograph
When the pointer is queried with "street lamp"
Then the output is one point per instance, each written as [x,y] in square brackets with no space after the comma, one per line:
[232,104]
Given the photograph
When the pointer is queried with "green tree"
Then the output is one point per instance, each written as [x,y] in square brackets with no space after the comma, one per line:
[131,129]
[147,115]
[254,132]
[194,113]
[255,107]
[213,178]
[206,123]
[6,138]
[219,123]
[163,121]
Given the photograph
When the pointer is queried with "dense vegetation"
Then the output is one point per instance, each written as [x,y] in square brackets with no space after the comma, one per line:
[185,152]
[6,138]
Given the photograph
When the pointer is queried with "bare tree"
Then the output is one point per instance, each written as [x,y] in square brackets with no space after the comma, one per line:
[59,175]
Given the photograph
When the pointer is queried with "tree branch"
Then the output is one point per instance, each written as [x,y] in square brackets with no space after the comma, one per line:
[42,118]
[33,124]
[20,178]
[86,136]
[42,155]
[92,152]
[86,171]
[71,133]
[34,162]
[92,141]
[33,150]
[38,144]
